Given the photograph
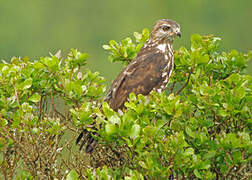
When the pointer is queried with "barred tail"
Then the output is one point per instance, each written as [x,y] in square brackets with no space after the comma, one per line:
[87,138]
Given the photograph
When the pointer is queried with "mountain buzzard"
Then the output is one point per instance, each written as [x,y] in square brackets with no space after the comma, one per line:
[150,70]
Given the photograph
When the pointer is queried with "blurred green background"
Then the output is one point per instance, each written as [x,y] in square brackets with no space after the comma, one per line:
[35,27]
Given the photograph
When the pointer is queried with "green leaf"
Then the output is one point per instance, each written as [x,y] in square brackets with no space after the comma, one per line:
[135,130]
[209,154]
[107,110]
[26,175]
[35,98]
[198,58]
[113,43]
[138,36]
[189,151]
[142,164]
[77,88]
[114,119]
[205,165]
[1,157]
[106,47]
[3,122]
[51,62]
[111,129]
[132,97]
[26,84]
[196,41]
[73,86]
[189,132]
[237,156]
[203,59]
[197,174]
[82,57]
[72,175]
[5,70]
[223,113]
[38,65]
[150,131]
[239,92]
[145,33]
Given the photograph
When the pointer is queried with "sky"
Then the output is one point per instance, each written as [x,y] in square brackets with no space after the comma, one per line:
[35,28]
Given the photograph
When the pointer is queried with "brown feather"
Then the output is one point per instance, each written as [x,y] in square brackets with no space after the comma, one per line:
[140,77]
[150,70]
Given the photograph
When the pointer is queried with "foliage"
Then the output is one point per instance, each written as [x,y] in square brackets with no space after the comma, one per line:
[199,128]
[34,129]
[126,50]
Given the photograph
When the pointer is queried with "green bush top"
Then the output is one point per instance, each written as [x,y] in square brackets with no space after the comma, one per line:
[199,128]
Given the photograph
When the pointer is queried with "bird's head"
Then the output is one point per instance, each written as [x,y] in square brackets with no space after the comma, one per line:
[165,30]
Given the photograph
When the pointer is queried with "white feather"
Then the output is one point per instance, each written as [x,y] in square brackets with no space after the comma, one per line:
[161,47]
[164,74]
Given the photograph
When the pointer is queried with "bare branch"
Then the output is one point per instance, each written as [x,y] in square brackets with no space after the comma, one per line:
[16,94]
[188,79]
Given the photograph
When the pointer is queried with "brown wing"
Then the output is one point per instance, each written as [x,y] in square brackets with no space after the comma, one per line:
[142,75]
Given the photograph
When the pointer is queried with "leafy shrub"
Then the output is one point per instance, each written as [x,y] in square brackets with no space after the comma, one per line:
[36,131]
[199,128]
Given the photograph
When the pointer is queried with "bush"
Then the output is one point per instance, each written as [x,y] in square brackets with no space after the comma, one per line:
[199,128]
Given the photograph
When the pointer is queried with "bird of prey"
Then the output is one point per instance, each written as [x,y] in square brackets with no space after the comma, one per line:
[150,70]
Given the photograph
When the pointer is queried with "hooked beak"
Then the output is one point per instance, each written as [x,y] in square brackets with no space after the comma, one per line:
[178,34]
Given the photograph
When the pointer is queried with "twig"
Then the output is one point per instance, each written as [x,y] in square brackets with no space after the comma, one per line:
[188,79]
[41,106]
[172,87]
[16,94]
[8,136]
[21,148]
[210,79]
[59,113]
[51,107]
[68,142]
[72,129]
[54,73]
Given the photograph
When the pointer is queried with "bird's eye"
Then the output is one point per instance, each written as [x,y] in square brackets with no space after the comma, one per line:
[166,28]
